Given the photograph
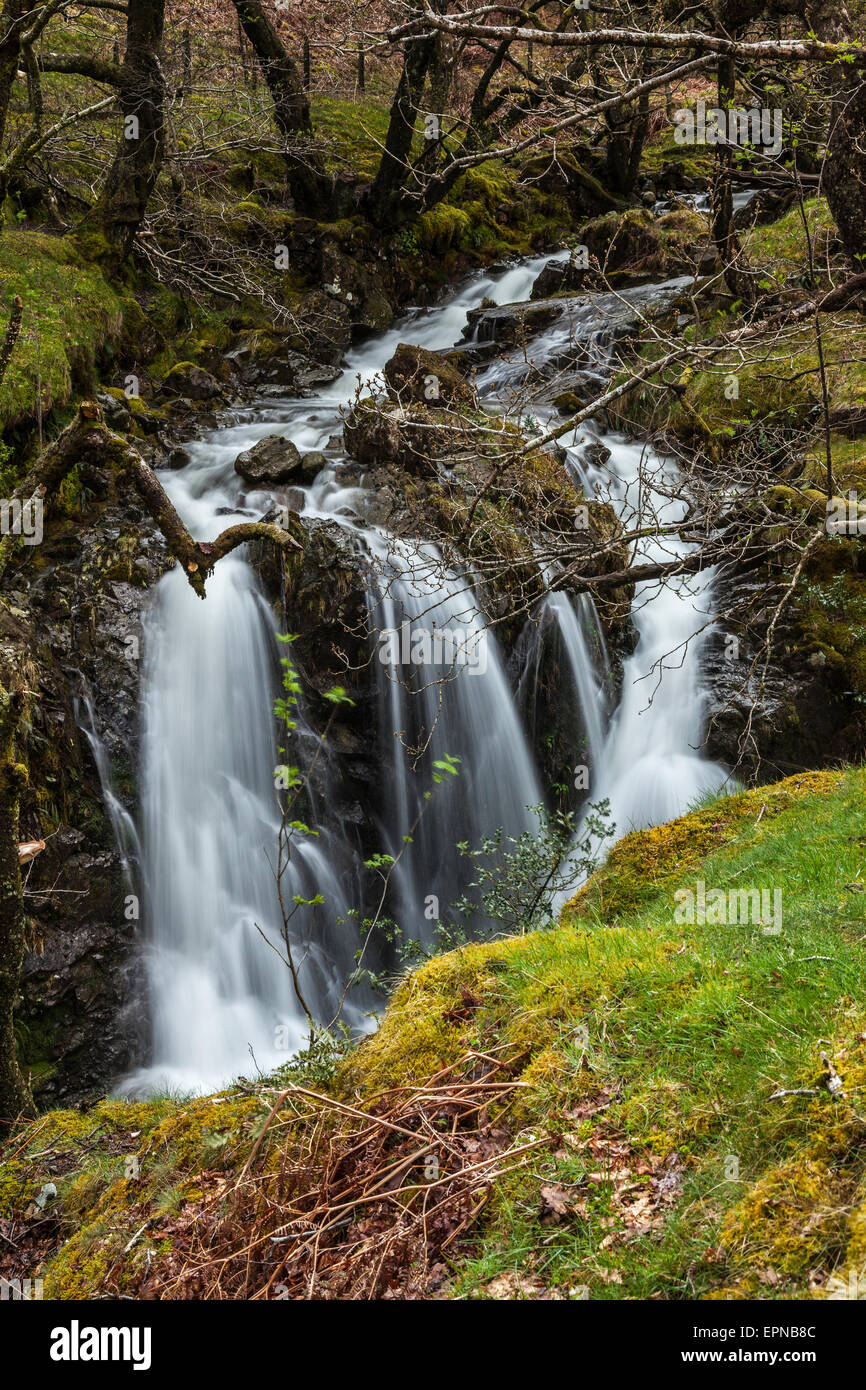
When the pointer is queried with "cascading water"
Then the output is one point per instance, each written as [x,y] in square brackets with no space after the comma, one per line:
[460,705]
[122,824]
[210,811]
[221,1000]
[649,768]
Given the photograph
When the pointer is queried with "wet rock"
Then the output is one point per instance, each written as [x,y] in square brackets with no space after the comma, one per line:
[507,325]
[293,499]
[273,460]
[415,374]
[312,464]
[83,598]
[269,364]
[116,412]
[556,278]
[373,436]
[192,382]
[767,206]
[597,454]
[769,720]
[351,283]
[323,327]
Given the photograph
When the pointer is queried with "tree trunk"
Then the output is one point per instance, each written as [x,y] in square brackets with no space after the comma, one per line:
[12,12]
[279,69]
[287,82]
[385,204]
[137,163]
[724,235]
[844,175]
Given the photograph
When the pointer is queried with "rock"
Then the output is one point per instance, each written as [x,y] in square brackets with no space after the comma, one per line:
[115,410]
[414,374]
[323,327]
[269,364]
[293,499]
[597,454]
[372,436]
[347,281]
[312,464]
[623,241]
[557,277]
[510,324]
[177,458]
[567,176]
[192,382]
[273,460]
[85,964]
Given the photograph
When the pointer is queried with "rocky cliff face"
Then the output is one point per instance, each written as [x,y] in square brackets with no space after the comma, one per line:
[801,708]
[77,620]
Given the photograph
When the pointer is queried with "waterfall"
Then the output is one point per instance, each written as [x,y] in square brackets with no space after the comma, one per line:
[572,618]
[122,824]
[460,706]
[652,769]
[221,1000]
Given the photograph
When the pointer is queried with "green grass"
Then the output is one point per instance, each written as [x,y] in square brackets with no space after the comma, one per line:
[650,1050]
[690,1030]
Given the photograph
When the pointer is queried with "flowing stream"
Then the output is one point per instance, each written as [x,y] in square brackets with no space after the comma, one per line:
[221,1002]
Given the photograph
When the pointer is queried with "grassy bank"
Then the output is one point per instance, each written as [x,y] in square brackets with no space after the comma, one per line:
[646,1146]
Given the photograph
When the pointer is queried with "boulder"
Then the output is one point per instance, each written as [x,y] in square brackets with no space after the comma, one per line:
[312,464]
[192,382]
[557,277]
[414,374]
[267,364]
[273,460]
[323,327]
[510,324]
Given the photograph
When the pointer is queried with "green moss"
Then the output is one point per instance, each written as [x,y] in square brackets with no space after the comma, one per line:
[424,1029]
[647,861]
[70,313]
[646,1050]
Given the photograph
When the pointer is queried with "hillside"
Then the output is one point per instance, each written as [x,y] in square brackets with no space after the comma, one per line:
[627,1105]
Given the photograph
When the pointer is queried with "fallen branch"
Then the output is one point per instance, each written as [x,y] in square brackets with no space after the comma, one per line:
[88,439]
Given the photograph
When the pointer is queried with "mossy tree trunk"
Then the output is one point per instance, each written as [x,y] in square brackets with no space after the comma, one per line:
[310,187]
[279,69]
[386,202]
[844,174]
[11,16]
[627,129]
[139,157]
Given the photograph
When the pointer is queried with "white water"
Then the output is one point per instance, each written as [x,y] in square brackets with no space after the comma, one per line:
[651,769]
[465,711]
[122,825]
[210,812]
[647,766]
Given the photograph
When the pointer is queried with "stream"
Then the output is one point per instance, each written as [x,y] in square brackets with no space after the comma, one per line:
[220,1001]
